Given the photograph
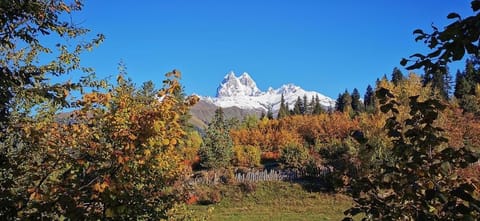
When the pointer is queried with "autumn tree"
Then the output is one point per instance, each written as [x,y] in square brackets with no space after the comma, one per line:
[421,181]
[116,157]
[24,29]
[216,151]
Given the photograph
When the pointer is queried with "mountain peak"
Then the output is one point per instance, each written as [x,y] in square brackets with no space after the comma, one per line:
[242,92]
[237,86]
[229,76]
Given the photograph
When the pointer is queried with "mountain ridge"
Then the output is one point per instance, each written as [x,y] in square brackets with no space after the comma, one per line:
[242,92]
[240,97]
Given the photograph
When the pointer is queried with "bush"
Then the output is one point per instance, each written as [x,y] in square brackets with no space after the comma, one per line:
[293,156]
[246,156]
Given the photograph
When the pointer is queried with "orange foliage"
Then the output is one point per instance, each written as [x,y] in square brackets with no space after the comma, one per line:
[273,135]
[461,128]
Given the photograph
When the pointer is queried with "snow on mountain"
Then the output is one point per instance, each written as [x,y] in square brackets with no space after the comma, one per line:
[232,86]
[243,92]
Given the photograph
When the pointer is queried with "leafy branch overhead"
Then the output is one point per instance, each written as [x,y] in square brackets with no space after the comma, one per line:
[447,45]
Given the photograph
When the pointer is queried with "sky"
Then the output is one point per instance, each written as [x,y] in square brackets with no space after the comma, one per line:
[325,46]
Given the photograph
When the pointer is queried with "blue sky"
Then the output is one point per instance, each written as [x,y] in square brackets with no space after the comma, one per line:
[327,46]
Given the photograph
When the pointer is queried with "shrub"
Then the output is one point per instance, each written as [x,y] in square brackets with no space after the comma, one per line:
[293,156]
[246,156]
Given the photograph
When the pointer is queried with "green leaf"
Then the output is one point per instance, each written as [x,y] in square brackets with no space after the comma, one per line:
[419,32]
[458,52]
[453,15]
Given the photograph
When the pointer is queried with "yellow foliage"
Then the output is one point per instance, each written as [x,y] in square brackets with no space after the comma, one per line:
[113,134]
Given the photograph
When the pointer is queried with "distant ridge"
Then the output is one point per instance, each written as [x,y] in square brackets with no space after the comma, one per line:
[243,92]
[240,96]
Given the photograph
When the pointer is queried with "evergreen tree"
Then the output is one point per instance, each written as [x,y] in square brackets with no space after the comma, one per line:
[250,121]
[472,74]
[317,107]
[339,103]
[311,105]
[147,92]
[347,102]
[283,111]
[368,98]
[462,86]
[216,151]
[305,105]
[344,102]
[465,87]
[298,108]
[397,76]
[356,103]
[439,81]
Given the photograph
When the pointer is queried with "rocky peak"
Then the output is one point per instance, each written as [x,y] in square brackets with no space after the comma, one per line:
[232,86]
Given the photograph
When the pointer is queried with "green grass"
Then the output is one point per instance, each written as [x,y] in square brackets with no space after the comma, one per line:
[275,201]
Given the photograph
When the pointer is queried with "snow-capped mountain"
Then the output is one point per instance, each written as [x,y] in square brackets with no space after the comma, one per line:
[242,92]
[232,86]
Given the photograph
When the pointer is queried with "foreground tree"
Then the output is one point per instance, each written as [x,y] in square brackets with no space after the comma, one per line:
[450,44]
[24,28]
[420,182]
[116,156]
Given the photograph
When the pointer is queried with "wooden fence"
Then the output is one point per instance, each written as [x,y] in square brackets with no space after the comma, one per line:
[255,176]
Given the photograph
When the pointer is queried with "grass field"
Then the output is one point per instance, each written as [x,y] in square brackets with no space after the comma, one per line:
[275,201]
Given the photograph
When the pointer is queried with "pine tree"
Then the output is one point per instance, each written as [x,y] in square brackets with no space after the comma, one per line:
[311,105]
[439,81]
[216,151]
[317,108]
[347,102]
[339,103]
[472,74]
[397,76]
[344,102]
[283,111]
[462,86]
[465,86]
[368,98]
[305,105]
[298,108]
[356,103]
